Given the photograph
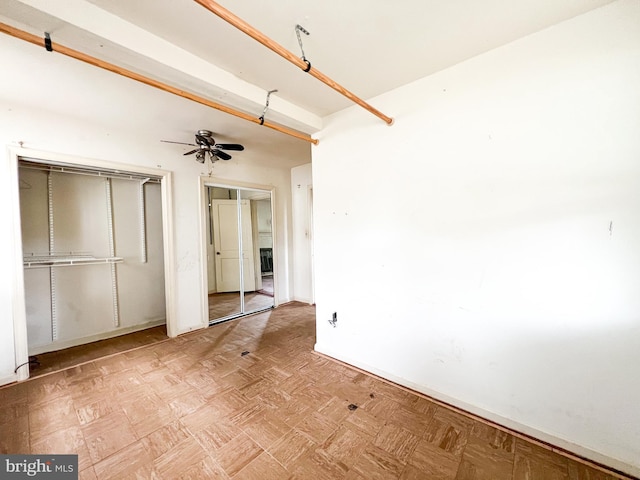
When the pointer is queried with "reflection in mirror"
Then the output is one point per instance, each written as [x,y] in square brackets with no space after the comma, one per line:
[239,252]
[222,254]
[257,240]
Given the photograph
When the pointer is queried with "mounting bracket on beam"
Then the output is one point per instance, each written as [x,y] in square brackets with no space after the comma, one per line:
[300,28]
[47,42]
[266,107]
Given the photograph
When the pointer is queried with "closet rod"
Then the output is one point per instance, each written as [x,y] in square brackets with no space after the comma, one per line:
[83,57]
[240,24]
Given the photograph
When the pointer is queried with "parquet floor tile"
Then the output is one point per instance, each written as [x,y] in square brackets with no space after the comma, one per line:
[345,445]
[318,465]
[378,464]
[14,437]
[181,457]
[108,435]
[66,441]
[50,417]
[237,454]
[265,467]
[485,460]
[289,448]
[397,441]
[248,399]
[214,435]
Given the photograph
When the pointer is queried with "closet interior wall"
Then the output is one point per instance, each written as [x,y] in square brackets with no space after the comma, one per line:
[93,256]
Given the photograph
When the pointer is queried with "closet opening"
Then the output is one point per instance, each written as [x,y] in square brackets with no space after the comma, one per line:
[93,245]
[239,248]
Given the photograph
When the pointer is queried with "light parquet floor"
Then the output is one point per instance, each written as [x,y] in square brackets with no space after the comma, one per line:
[225,304]
[199,407]
[61,359]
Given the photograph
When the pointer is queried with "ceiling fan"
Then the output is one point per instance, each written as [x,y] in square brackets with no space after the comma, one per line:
[205,143]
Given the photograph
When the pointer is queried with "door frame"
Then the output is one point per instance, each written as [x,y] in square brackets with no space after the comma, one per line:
[311,243]
[212,181]
[19,313]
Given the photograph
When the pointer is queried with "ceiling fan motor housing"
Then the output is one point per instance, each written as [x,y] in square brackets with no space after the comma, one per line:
[206,144]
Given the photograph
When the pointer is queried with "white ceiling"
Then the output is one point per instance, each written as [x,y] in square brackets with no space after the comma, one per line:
[368,46]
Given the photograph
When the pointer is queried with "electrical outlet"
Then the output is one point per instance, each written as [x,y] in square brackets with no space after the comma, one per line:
[334,319]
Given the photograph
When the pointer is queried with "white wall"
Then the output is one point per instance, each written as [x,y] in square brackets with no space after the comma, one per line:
[485,248]
[302,231]
[120,122]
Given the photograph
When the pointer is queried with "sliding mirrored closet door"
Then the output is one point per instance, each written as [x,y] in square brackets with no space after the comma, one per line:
[239,252]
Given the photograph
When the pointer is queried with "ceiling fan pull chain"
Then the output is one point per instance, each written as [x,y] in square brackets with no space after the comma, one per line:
[300,28]
[266,107]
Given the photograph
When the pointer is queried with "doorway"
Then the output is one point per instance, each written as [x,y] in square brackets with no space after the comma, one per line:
[239,250]
[63,259]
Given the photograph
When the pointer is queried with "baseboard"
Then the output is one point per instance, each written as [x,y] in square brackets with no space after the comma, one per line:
[52,347]
[283,301]
[544,439]
[7,380]
[303,300]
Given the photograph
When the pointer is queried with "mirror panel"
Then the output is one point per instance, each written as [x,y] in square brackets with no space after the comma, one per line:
[223,255]
[239,283]
[257,239]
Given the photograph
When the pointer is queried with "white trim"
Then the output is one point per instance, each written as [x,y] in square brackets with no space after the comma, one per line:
[311,237]
[19,309]
[166,188]
[275,250]
[240,231]
[19,313]
[204,233]
[49,157]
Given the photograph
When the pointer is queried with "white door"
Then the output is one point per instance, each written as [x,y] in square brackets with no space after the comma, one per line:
[226,246]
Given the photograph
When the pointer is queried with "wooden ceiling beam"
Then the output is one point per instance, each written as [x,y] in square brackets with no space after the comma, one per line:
[83,57]
[304,65]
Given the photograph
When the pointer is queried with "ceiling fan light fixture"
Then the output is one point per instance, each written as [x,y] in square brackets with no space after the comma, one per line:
[205,143]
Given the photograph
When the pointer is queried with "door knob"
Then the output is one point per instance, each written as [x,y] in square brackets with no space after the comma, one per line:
[217,253]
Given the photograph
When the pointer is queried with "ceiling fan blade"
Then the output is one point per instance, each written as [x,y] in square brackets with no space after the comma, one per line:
[230,146]
[179,143]
[220,154]
[192,151]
